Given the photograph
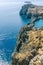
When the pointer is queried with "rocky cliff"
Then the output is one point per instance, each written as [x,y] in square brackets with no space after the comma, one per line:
[30,10]
[29,45]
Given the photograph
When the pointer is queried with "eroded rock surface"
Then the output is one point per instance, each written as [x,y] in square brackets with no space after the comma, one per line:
[31,10]
[29,47]
[37,60]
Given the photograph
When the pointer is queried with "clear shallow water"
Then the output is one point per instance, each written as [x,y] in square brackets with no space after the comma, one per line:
[10,24]
[39,23]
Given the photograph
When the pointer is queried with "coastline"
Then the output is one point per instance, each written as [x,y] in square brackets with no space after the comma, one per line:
[35,14]
[29,42]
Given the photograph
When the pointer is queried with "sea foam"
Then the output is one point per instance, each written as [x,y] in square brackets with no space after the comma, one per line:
[3,60]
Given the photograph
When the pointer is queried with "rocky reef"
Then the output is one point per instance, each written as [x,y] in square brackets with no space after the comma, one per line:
[29,44]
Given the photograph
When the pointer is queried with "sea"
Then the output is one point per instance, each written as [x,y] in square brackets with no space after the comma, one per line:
[10,24]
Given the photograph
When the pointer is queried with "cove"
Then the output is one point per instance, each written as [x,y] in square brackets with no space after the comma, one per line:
[38,23]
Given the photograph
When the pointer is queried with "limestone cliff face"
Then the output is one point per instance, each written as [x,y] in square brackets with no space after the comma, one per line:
[29,48]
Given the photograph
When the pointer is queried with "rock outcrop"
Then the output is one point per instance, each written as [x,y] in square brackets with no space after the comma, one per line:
[37,60]
[31,11]
[29,46]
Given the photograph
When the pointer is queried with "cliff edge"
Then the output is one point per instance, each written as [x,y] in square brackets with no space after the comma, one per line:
[30,10]
[29,44]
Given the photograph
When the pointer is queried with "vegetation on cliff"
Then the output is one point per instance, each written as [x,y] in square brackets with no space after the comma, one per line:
[29,45]
[32,11]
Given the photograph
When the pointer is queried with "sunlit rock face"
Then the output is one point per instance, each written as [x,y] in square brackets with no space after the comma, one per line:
[37,60]
[29,47]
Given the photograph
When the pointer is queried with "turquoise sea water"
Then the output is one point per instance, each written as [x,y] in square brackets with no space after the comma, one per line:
[10,24]
[39,23]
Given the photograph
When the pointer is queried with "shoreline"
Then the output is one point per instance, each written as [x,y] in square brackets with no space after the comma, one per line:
[29,42]
[30,11]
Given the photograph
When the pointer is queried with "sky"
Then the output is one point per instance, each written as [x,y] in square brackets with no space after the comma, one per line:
[40,2]
[19,0]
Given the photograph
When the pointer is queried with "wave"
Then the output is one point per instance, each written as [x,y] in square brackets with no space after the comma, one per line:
[6,36]
[3,61]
